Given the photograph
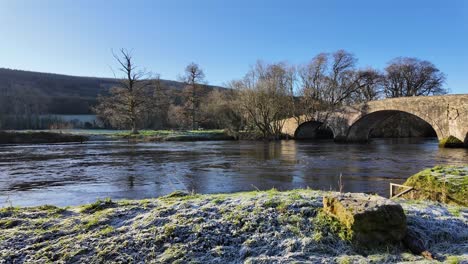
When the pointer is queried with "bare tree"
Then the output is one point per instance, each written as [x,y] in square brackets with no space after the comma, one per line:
[263,98]
[327,82]
[21,107]
[368,85]
[332,80]
[341,78]
[218,110]
[194,78]
[313,87]
[161,104]
[128,101]
[413,77]
[178,118]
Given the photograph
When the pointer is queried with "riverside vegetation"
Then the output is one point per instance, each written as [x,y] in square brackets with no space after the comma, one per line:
[251,227]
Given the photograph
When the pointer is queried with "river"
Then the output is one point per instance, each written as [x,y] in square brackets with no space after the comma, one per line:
[72,174]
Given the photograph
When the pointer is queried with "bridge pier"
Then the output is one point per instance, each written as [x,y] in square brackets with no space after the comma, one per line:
[341,139]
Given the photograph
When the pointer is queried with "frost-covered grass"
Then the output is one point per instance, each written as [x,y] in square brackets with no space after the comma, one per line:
[444,228]
[251,227]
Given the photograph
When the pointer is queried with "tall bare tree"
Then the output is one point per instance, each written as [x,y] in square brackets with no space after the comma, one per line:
[263,98]
[194,78]
[341,78]
[127,102]
[413,77]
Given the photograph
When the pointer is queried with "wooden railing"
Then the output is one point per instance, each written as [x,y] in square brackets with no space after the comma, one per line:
[407,189]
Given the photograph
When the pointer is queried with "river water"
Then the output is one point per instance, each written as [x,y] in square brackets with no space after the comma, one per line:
[72,174]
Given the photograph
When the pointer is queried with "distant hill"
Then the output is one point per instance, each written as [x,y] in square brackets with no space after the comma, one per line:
[65,94]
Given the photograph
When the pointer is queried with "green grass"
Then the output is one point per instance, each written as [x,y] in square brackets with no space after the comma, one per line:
[9,223]
[8,211]
[172,135]
[169,229]
[97,206]
[52,210]
[106,230]
[452,260]
[455,210]
[148,133]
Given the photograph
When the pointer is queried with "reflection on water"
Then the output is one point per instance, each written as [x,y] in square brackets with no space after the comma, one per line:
[71,174]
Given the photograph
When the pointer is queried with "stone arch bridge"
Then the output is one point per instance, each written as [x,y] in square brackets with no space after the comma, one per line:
[447,114]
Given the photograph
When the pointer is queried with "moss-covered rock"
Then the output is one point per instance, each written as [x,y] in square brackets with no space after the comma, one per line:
[447,184]
[451,142]
[372,219]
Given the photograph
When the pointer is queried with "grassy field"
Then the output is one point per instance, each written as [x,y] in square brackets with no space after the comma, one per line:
[248,227]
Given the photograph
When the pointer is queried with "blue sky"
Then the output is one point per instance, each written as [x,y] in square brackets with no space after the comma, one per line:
[226,37]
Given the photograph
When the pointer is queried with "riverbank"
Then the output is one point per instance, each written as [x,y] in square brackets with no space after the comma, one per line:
[255,227]
[33,137]
[173,135]
[81,135]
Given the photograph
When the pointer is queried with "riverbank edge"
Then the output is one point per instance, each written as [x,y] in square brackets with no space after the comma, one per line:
[256,227]
[168,135]
[39,137]
[64,136]
[42,137]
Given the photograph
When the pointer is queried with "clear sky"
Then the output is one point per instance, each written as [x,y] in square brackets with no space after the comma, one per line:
[226,37]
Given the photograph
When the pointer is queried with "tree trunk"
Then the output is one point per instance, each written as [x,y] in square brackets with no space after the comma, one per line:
[134,128]
[193,118]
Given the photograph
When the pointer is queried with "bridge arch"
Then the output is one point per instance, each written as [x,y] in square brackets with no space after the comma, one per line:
[313,130]
[361,129]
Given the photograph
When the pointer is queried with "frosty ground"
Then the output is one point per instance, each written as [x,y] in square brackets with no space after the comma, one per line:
[252,227]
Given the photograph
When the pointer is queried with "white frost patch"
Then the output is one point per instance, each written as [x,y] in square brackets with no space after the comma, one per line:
[444,228]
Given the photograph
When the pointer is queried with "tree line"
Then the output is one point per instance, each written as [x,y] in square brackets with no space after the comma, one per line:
[268,93]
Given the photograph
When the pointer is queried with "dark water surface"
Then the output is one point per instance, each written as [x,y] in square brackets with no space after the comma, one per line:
[72,174]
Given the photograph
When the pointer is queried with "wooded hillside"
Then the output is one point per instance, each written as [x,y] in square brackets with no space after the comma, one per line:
[59,94]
